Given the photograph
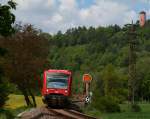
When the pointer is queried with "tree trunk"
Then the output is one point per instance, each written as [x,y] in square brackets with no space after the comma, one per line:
[33,97]
[28,102]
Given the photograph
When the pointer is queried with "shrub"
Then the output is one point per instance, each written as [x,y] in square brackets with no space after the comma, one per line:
[135,108]
[4,91]
[107,104]
[5,114]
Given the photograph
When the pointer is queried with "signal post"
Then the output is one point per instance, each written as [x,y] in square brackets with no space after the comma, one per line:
[87,78]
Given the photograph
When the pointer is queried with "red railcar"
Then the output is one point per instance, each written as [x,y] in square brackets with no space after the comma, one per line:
[56,87]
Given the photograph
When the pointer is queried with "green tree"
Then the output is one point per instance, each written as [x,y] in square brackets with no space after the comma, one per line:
[6,20]
[113,83]
[4,88]
[109,90]
[92,49]
[144,78]
[26,58]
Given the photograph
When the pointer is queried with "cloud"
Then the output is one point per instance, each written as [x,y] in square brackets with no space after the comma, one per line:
[148,12]
[54,15]
[104,13]
[145,1]
[67,4]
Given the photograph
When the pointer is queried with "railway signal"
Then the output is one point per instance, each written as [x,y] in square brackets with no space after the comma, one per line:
[87,78]
[87,99]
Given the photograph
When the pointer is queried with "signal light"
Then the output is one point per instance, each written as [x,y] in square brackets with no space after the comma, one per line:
[87,78]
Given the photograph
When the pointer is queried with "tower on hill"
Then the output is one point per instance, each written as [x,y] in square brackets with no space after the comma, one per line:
[142,18]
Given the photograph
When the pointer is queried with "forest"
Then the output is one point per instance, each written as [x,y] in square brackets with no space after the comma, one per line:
[103,52]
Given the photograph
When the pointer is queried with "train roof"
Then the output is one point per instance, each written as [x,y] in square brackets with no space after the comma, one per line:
[59,70]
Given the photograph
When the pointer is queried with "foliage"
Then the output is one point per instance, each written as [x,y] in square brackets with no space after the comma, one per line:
[7,18]
[144,78]
[26,58]
[4,88]
[107,104]
[109,91]
[135,108]
[92,49]
[113,84]
[125,113]
[6,114]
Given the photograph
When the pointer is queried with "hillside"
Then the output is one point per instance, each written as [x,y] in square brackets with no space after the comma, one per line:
[90,50]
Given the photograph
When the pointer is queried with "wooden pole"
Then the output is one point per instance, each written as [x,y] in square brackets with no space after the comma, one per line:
[87,89]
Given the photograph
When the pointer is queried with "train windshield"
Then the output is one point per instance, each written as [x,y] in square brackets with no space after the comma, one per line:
[57,80]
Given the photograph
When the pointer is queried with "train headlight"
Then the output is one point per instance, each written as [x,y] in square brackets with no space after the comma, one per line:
[47,90]
[66,91]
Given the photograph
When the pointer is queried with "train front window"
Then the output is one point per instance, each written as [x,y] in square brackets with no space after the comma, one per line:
[57,80]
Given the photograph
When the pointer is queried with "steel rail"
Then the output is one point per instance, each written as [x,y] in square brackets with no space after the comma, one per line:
[71,114]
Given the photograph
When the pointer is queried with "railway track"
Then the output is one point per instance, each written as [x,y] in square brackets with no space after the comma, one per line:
[71,114]
[46,113]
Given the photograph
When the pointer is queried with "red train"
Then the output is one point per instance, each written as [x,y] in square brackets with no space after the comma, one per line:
[56,87]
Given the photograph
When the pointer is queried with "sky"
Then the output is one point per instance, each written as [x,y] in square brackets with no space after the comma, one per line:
[54,15]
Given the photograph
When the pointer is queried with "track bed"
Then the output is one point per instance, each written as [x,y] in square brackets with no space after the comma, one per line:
[47,113]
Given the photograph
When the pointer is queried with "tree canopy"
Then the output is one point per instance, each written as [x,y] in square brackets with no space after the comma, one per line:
[7,18]
[90,50]
[26,57]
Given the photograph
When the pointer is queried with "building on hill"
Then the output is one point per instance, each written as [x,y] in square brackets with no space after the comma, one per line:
[142,20]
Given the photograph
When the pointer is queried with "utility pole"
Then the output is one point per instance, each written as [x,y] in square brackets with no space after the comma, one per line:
[132,82]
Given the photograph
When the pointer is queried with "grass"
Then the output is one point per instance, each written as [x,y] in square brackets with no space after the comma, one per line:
[125,114]
[11,113]
[15,105]
[16,101]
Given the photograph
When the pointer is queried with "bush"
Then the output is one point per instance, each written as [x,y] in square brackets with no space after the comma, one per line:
[135,108]
[5,114]
[4,91]
[107,104]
